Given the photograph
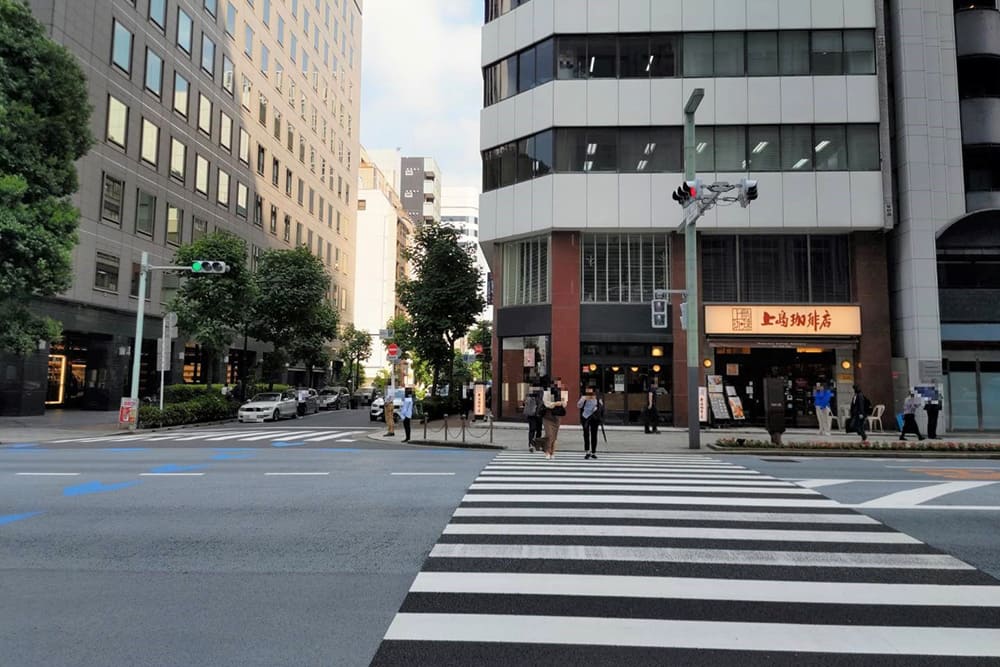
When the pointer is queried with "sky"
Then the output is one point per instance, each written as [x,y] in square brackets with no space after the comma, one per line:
[421,82]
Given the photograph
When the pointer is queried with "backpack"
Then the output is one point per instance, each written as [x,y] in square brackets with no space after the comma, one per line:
[531,404]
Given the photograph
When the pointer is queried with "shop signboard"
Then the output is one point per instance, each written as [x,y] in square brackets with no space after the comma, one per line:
[718,402]
[703,404]
[128,412]
[479,400]
[529,357]
[782,320]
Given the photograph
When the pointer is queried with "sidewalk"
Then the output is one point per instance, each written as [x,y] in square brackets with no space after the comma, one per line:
[57,424]
[632,439]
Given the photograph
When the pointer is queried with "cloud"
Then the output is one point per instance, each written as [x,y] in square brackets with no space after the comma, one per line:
[422,84]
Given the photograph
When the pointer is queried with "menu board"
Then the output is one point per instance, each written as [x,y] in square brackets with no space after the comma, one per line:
[718,403]
[737,407]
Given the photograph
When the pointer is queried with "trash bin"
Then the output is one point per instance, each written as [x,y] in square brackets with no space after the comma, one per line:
[774,406]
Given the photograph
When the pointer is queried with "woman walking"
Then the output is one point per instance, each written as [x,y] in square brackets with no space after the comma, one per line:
[555,408]
[590,413]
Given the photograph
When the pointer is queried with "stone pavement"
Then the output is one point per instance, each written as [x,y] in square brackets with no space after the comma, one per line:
[623,439]
[57,424]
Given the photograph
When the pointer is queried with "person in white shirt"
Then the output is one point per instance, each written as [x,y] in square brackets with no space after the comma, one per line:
[590,412]
[406,411]
[554,409]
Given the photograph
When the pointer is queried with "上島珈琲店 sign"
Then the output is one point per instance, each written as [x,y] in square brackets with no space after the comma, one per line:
[783,320]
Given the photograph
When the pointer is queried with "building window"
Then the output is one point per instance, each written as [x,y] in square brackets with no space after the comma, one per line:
[134,287]
[526,271]
[248,41]
[281,31]
[827,52]
[262,110]
[273,222]
[762,53]
[247,86]
[201,171]
[184,28]
[623,268]
[199,228]
[241,200]
[154,73]
[222,191]
[181,90]
[207,55]
[859,52]
[175,225]
[277,124]
[244,146]
[204,114]
[226,131]
[211,6]
[178,159]
[288,182]
[298,234]
[275,171]
[106,273]
[158,13]
[265,59]
[121,47]
[230,19]
[145,214]
[830,148]
[279,72]
[265,12]
[301,192]
[261,159]
[112,200]
[117,122]
[287,233]
[150,148]
[228,75]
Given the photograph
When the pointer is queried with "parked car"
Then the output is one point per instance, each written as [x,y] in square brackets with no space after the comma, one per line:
[334,398]
[271,405]
[365,395]
[377,412]
[308,400]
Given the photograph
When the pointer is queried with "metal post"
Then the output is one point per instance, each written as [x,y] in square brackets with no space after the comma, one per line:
[140,313]
[691,277]
[163,371]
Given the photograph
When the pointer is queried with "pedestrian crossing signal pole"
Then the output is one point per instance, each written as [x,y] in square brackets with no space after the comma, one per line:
[691,275]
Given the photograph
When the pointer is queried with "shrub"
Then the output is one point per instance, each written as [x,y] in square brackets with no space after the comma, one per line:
[436,407]
[201,409]
[923,445]
[182,393]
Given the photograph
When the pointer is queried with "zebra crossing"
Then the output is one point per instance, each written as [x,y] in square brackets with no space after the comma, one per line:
[659,559]
[300,435]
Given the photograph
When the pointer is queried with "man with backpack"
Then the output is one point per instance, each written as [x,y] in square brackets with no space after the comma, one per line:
[533,414]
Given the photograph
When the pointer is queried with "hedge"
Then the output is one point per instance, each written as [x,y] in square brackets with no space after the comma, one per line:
[201,409]
[902,446]
[436,407]
[181,393]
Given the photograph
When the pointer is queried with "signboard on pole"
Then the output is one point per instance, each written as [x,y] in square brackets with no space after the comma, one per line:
[128,412]
[393,352]
[163,354]
[479,400]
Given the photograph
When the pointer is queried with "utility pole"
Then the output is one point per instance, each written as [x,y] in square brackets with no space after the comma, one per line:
[691,276]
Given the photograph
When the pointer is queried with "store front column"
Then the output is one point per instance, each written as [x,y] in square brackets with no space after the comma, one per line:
[565,294]
[874,362]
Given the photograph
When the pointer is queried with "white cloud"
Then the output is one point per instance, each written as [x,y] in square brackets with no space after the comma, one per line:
[422,84]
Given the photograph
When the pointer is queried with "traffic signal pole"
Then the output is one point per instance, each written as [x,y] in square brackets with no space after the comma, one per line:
[691,277]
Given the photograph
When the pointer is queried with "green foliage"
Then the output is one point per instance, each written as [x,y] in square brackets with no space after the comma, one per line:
[181,393]
[44,129]
[291,310]
[201,409]
[381,380]
[444,299]
[213,308]
[436,407]
[402,335]
[355,347]
[461,371]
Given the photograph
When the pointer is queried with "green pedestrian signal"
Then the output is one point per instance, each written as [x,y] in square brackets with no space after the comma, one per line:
[208,266]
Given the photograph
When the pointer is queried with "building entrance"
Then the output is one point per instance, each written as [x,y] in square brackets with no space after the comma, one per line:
[802,367]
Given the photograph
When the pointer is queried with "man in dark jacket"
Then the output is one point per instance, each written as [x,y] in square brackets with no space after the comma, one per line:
[859,413]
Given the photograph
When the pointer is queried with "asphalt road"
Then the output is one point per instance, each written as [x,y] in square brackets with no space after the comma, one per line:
[199,556]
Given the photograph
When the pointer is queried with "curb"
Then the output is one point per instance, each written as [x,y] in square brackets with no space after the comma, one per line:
[852,453]
[437,443]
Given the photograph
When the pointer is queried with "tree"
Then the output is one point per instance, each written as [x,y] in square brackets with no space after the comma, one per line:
[356,346]
[482,334]
[444,299]
[213,309]
[44,129]
[290,309]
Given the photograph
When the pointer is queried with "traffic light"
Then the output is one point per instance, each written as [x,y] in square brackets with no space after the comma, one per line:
[687,191]
[748,191]
[208,266]
[684,315]
[659,313]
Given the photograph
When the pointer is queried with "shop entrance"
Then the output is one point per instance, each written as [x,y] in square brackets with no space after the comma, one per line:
[745,368]
[623,375]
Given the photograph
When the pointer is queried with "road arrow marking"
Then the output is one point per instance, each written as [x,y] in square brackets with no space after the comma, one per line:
[283,443]
[171,467]
[96,487]
[11,518]
[231,457]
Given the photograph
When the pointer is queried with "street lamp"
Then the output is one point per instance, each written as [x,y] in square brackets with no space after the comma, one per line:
[691,276]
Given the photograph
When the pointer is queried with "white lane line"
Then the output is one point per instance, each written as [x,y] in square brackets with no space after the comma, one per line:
[943,465]
[714,556]
[819,483]
[696,481]
[961,508]
[792,491]
[296,473]
[819,592]
[922,495]
[171,474]
[679,532]
[595,498]
[331,436]
[667,515]
[422,474]
[48,474]
[721,635]
[200,436]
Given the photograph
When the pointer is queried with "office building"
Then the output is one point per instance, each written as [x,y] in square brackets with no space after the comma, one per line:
[460,210]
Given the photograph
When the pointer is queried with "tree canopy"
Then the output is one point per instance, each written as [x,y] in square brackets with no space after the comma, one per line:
[44,129]
[356,346]
[444,298]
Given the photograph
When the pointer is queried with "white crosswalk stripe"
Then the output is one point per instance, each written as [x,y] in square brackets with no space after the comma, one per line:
[614,562]
[227,436]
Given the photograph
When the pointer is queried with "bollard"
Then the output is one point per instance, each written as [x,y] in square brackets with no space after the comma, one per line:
[463,430]
[491,430]
[425,428]
[446,428]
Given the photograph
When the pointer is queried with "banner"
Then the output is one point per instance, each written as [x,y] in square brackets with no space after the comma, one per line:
[783,320]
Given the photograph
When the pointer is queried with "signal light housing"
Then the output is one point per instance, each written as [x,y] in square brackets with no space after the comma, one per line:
[208,266]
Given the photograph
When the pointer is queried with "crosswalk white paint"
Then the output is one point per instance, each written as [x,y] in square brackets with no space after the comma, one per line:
[229,436]
[615,556]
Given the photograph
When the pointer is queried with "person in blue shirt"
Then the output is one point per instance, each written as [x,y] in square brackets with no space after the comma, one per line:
[406,411]
[822,397]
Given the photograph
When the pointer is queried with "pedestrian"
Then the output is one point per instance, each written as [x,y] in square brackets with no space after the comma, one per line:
[652,421]
[590,413]
[821,398]
[910,407]
[406,411]
[933,407]
[859,413]
[533,415]
[555,408]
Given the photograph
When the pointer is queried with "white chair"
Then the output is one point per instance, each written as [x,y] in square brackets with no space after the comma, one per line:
[839,420]
[876,418]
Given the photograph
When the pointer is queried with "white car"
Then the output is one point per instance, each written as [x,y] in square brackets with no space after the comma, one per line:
[377,412]
[270,405]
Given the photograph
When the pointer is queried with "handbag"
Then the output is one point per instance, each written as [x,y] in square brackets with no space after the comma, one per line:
[559,411]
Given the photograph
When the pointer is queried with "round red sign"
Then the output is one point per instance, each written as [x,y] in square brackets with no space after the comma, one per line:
[478,348]
[393,350]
